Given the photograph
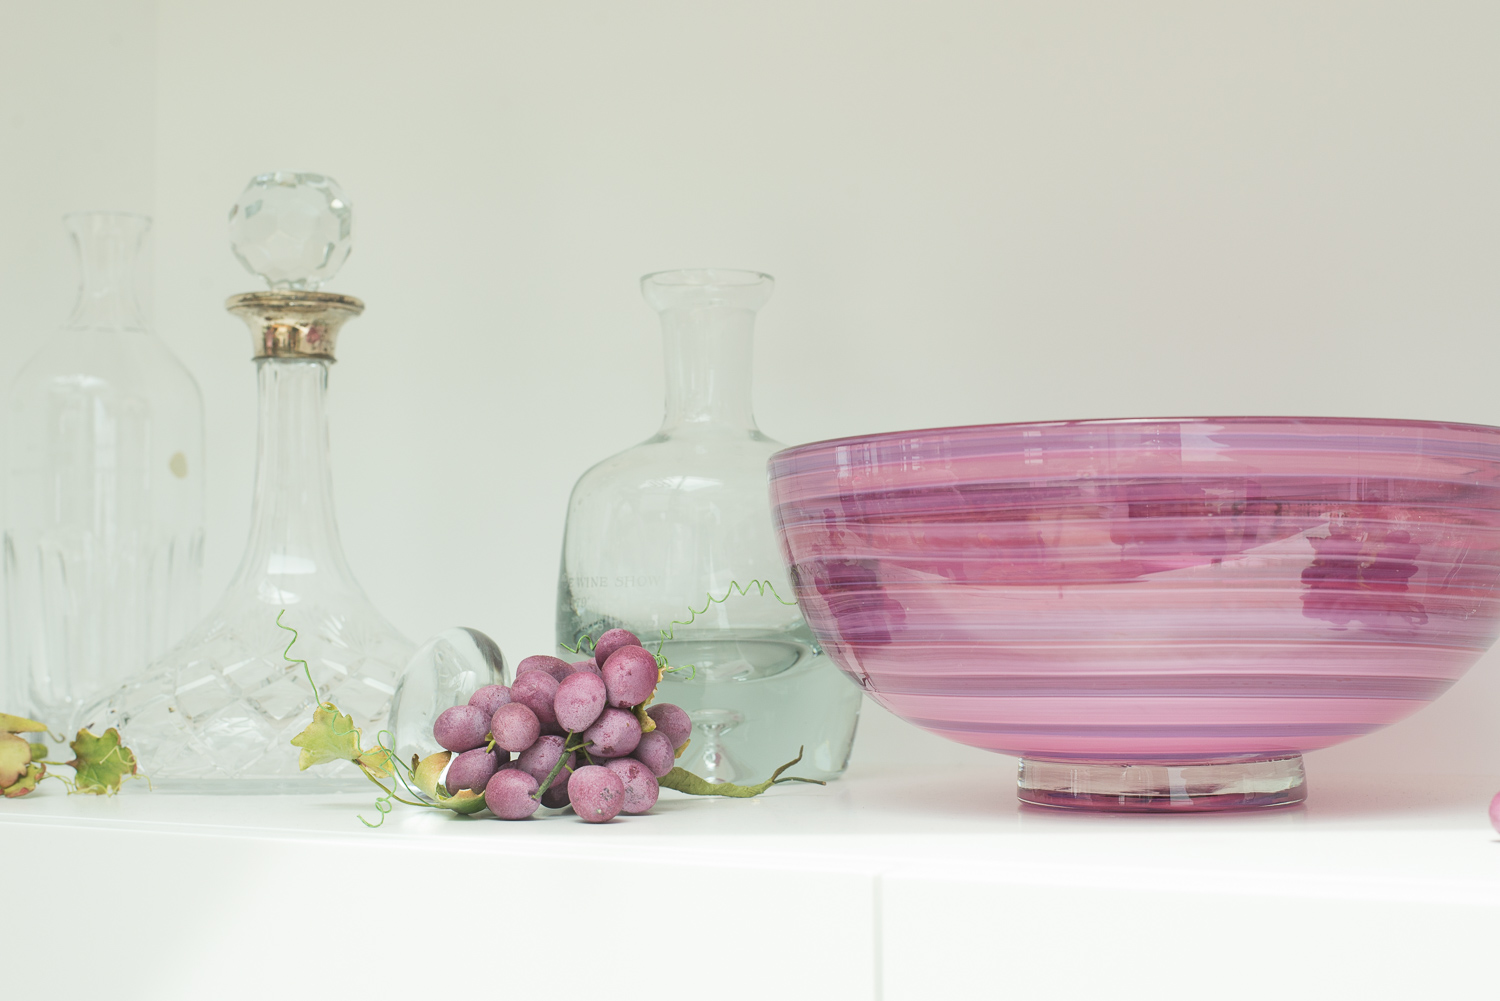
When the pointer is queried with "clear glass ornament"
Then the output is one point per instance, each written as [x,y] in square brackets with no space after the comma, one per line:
[443,673]
[104,489]
[677,523]
[218,712]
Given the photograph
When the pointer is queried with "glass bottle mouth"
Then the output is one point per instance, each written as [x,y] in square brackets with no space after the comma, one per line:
[108,247]
[702,288]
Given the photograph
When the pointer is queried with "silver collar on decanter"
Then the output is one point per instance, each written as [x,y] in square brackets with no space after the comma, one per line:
[294,324]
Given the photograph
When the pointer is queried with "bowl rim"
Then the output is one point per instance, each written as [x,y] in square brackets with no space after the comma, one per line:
[1285,419]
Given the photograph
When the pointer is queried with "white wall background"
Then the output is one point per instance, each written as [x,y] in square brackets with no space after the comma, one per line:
[975,211]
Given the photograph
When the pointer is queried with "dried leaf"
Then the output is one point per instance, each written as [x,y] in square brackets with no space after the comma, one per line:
[466,802]
[331,736]
[101,763]
[18,724]
[27,782]
[427,777]
[15,758]
[695,785]
[429,771]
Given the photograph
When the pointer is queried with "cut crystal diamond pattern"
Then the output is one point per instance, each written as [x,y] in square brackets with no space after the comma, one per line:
[224,704]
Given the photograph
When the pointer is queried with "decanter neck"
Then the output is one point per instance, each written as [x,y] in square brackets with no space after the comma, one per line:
[708,324]
[108,245]
[708,355]
[294,532]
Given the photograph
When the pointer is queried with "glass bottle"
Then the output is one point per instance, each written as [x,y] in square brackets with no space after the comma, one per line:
[218,712]
[104,489]
[678,524]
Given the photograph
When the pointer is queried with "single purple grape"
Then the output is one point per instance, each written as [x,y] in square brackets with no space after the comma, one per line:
[535,690]
[557,797]
[614,735]
[472,770]
[508,794]
[461,728]
[515,727]
[641,789]
[579,701]
[672,721]
[611,641]
[630,676]
[656,752]
[559,669]
[489,698]
[540,758]
[596,794]
[586,667]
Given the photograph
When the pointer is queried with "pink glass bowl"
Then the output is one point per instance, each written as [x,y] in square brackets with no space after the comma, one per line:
[1151,614]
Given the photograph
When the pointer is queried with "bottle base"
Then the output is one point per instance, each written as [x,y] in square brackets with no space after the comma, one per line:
[1162,788]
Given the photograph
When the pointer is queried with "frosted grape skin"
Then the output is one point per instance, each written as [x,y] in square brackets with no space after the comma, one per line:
[596,794]
[587,667]
[614,735]
[540,758]
[472,770]
[630,676]
[554,666]
[579,701]
[508,794]
[641,788]
[656,752]
[461,728]
[515,727]
[489,698]
[536,690]
[612,640]
[673,721]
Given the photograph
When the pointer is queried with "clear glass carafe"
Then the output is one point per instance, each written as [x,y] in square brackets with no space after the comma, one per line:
[218,712]
[104,489]
[683,518]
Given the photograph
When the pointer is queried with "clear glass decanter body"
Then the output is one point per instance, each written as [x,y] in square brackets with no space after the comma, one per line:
[104,490]
[218,712]
[685,517]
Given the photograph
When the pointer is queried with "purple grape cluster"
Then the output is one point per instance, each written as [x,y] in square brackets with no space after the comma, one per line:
[510,740]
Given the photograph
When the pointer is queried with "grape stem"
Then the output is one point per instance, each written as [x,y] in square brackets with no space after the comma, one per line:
[562,762]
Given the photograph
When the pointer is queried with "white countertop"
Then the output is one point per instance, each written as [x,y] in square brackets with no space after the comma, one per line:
[888,884]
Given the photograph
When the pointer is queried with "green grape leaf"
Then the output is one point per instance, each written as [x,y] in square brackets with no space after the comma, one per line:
[331,736]
[429,770]
[426,776]
[38,752]
[26,783]
[15,758]
[695,785]
[100,763]
[18,724]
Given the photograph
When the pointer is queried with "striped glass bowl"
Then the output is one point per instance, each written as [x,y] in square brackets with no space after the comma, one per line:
[1151,614]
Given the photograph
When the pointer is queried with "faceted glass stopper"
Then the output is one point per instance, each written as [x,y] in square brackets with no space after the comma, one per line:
[294,230]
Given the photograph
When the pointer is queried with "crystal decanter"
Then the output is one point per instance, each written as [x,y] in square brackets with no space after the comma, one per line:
[104,490]
[673,529]
[218,711]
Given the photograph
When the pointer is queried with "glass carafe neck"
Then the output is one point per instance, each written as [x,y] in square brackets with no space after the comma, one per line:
[708,328]
[294,531]
[108,245]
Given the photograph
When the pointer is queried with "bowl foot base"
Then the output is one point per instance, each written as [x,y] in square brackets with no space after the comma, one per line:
[1162,788]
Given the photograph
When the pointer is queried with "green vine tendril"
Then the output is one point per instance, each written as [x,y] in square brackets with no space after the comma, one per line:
[735,587]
